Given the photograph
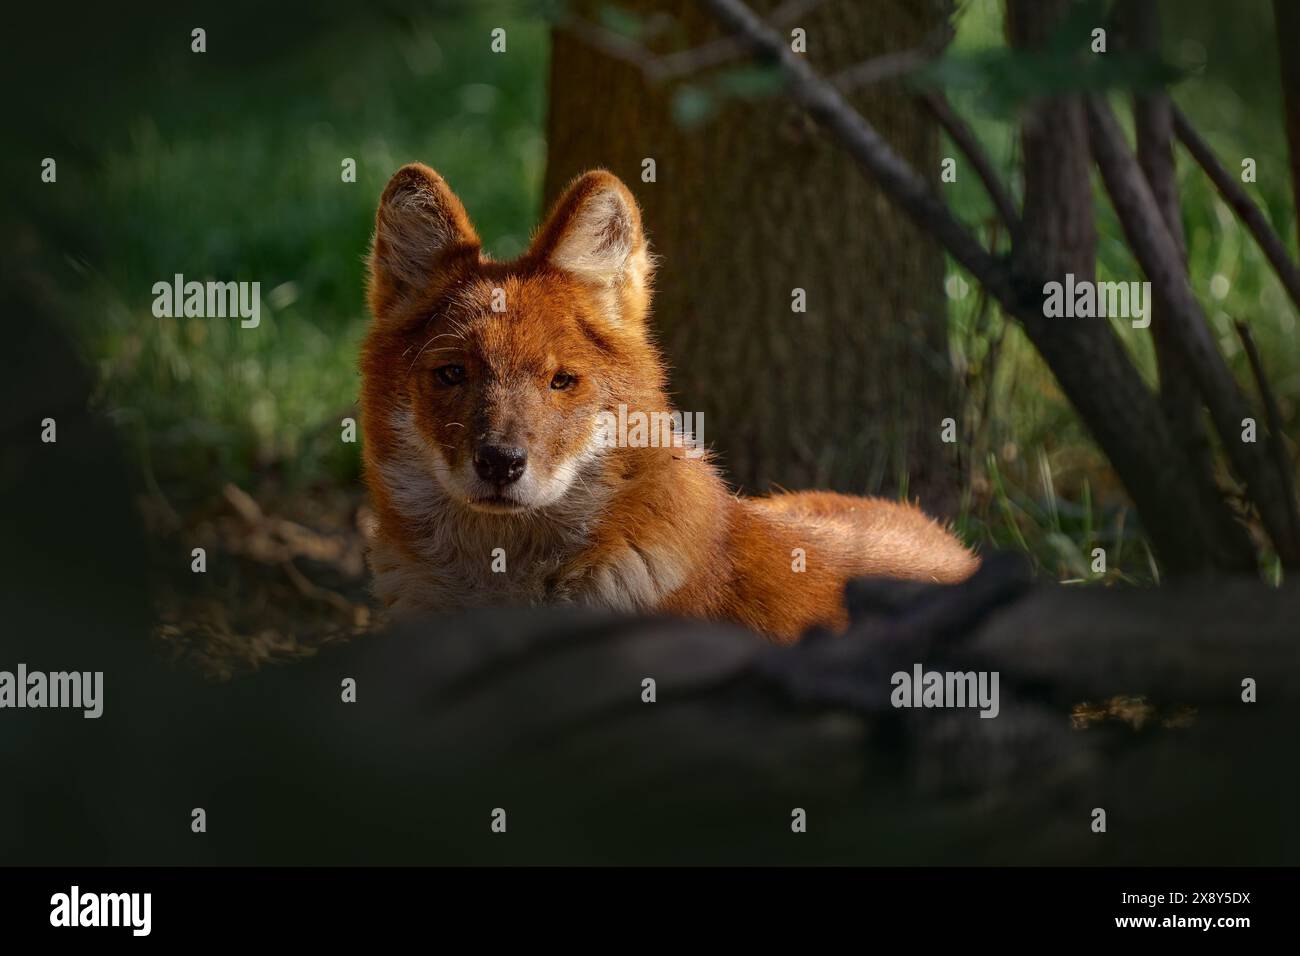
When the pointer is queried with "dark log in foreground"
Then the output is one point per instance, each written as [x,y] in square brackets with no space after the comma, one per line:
[541,714]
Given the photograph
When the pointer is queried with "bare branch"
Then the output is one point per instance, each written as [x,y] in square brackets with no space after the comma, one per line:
[661,68]
[655,68]
[1236,197]
[1160,259]
[671,66]
[893,65]
[1274,416]
[889,66]
[961,134]
[900,182]
[684,63]
[792,10]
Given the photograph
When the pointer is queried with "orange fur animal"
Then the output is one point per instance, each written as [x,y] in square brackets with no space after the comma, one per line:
[484,385]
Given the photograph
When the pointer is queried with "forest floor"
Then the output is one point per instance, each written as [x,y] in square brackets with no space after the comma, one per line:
[285,575]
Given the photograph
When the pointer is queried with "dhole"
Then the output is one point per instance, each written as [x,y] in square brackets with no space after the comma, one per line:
[480,432]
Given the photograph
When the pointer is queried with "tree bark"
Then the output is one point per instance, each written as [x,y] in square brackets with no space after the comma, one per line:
[753,204]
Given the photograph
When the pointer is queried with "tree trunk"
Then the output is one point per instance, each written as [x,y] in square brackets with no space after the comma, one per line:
[753,204]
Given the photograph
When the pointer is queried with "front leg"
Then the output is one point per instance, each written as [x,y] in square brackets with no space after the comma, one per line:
[618,574]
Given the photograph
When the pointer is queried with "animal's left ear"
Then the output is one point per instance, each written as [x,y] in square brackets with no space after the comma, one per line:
[594,233]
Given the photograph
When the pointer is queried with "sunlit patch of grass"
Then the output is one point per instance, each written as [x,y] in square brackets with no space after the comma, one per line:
[250,189]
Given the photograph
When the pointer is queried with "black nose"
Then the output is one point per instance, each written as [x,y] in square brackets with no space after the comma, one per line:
[500,464]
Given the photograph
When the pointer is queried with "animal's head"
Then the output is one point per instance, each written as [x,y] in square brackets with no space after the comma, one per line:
[502,370]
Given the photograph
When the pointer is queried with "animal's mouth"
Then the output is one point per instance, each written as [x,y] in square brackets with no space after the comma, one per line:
[497,504]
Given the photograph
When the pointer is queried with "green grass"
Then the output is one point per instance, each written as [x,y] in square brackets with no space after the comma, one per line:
[250,188]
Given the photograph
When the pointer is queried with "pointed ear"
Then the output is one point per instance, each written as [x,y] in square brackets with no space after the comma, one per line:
[594,232]
[419,223]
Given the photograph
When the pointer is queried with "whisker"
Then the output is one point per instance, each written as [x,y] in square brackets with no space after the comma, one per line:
[443,335]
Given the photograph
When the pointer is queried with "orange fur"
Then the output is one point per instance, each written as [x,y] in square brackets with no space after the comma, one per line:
[449,383]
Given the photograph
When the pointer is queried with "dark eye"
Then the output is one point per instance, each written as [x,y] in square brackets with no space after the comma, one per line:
[562,380]
[451,374]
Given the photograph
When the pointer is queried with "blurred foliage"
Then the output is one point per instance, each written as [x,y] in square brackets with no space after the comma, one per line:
[696,102]
[235,174]
[1002,79]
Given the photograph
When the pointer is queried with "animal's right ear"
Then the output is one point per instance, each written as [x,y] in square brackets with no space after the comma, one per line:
[419,224]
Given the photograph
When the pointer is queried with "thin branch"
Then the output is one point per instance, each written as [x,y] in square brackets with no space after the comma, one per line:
[662,68]
[791,10]
[893,65]
[1274,417]
[1236,197]
[827,105]
[889,66]
[655,68]
[964,137]
[1158,254]
[822,99]
[684,63]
